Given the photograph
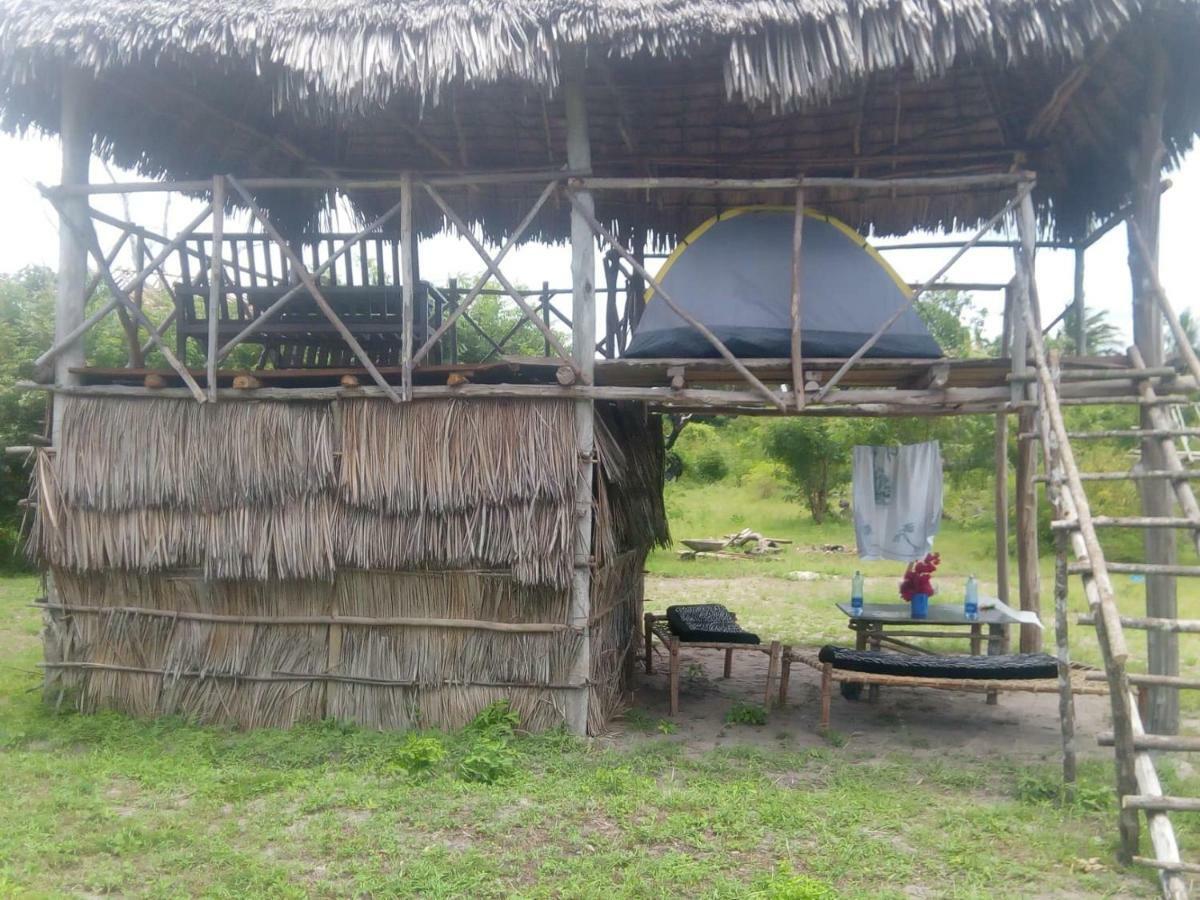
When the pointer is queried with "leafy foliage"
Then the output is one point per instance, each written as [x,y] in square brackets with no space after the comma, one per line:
[494,317]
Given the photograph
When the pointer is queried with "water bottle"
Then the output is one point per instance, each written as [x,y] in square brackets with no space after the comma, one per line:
[856,595]
[971,600]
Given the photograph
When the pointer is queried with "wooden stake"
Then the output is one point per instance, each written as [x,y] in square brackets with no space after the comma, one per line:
[797,299]
[215,282]
[1066,699]
[583,359]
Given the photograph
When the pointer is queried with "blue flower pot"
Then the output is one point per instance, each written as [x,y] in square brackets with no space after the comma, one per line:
[920,606]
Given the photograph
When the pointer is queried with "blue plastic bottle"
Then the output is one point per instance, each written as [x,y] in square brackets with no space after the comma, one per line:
[971,600]
[856,595]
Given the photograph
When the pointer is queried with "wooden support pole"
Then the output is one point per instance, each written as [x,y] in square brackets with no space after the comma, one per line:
[408,280]
[1000,451]
[583,358]
[1162,711]
[76,141]
[798,299]
[1066,698]
[216,283]
[1026,487]
[1080,306]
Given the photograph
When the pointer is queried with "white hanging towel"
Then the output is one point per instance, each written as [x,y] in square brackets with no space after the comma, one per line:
[897,500]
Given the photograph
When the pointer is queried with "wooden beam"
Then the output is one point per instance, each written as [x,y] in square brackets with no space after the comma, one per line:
[307,280]
[870,342]
[493,268]
[797,308]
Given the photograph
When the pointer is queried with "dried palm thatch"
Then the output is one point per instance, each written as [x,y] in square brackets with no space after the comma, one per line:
[118,455]
[391,566]
[753,89]
[629,498]
[241,652]
[614,626]
[253,490]
[351,56]
[490,453]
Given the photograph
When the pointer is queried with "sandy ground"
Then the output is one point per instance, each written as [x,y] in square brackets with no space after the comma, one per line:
[1021,727]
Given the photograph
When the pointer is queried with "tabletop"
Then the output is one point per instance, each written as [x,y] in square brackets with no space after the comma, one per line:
[939,614]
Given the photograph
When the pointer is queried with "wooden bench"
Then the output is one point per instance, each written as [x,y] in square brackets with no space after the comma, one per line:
[656,627]
[829,675]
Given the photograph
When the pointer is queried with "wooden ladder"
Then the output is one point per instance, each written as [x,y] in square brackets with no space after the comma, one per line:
[1075,527]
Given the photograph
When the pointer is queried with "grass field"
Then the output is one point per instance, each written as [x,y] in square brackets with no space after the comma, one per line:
[107,805]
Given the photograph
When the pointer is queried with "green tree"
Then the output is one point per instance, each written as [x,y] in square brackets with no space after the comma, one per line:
[955,322]
[1101,335]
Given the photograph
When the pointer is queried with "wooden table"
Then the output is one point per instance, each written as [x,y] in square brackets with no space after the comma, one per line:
[887,623]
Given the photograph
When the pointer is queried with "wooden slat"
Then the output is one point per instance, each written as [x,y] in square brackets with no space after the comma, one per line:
[1148,742]
[1168,804]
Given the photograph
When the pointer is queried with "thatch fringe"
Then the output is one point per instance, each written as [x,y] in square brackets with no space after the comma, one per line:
[451,456]
[293,540]
[124,454]
[533,540]
[351,56]
[256,491]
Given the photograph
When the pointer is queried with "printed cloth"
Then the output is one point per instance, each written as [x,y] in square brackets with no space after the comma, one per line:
[897,500]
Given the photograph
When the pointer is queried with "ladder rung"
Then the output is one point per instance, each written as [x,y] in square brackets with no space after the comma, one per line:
[1116,568]
[1155,742]
[1165,804]
[1127,522]
[1185,626]
[1167,866]
[1132,475]
[1119,433]
[1175,681]
[1164,400]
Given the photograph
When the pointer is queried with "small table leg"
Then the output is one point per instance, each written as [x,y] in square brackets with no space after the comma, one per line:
[785,676]
[994,647]
[674,676]
[649,622]
[772,673]
[728,663]
[873,690]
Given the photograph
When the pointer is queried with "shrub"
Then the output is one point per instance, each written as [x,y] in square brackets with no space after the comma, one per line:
[746,714]
[419,754]
[709,465]
[489,760]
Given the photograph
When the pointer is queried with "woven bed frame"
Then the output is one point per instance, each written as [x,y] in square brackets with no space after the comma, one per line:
[656,627]
[1079,681]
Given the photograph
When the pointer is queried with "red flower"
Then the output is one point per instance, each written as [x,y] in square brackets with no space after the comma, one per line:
[918,576]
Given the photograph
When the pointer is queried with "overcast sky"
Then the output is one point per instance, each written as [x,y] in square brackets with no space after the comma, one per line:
[28,235]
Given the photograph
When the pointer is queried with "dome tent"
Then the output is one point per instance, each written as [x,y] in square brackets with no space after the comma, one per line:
[734,273]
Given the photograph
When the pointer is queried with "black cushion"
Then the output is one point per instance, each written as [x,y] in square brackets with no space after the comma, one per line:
[875,662]
[707,622]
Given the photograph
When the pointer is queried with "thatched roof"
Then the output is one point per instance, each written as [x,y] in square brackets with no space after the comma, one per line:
[741,88]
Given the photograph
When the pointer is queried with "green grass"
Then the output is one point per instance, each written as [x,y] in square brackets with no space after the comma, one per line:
[105,804]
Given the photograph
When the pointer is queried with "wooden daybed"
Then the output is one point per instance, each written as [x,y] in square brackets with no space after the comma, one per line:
[656,627]
[1080,684]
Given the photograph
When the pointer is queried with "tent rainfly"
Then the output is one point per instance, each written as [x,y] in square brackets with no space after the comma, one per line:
[734,273]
